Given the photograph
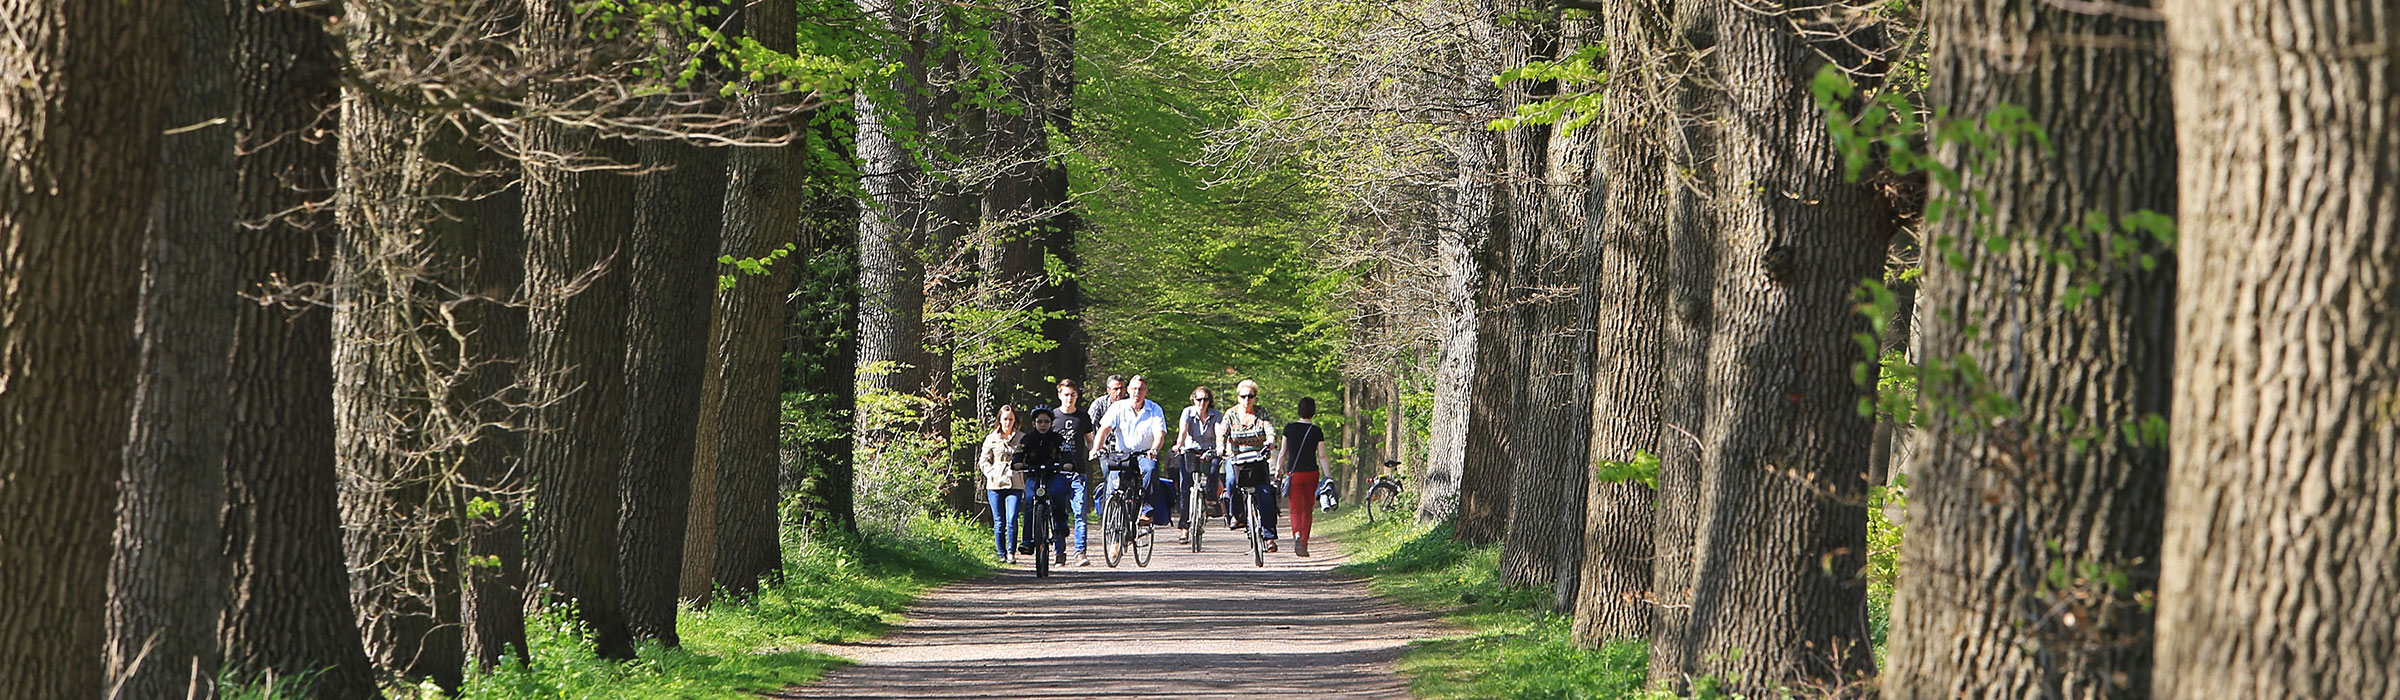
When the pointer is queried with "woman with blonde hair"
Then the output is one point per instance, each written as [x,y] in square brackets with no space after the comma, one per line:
[1004,486]
[1247,440]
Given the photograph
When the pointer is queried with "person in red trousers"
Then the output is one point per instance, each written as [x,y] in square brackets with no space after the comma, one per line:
[1302,457]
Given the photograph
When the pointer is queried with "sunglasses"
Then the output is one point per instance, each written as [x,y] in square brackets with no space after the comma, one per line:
[1247,396]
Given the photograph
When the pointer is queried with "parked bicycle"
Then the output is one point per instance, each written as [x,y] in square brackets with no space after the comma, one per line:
[1383,497]
[1121,528]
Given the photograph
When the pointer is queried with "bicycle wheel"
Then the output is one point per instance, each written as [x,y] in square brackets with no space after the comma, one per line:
[1145,538]
[1391,503]
[1258,538]
[1379,498]
[1195,515]
[1039,521]
[1113,533]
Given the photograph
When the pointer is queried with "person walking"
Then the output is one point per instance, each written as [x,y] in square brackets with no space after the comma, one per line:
[1196,444]
[1247,440]
[1303,454]
[1004,486]
[1074,426]
[1139,428]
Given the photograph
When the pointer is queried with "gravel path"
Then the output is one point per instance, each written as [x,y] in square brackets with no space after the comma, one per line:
[1189,625]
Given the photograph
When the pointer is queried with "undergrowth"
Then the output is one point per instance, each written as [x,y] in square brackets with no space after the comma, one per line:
[1513,646]
[835,589]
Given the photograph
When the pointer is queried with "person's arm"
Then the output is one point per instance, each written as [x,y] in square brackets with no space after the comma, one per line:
[1107,427]
[1324,459]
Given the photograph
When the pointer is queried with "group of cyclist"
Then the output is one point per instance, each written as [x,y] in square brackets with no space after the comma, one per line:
[1238,453]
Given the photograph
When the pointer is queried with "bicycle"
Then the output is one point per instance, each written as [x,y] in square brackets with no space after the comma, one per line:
[1384,495]
[1120,520]
[1038,521]
[1252,478]
[1195,504]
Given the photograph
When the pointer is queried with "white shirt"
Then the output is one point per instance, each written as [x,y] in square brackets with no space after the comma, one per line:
[1136,427]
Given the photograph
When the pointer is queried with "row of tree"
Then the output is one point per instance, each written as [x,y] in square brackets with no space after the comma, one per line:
[381,324]
[1686,281]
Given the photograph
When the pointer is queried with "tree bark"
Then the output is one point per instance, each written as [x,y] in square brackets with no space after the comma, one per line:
[762,198]
[575,274]
[1781,524]
[2276,573]
[1013,202]
[891,223]
[1630,323]
[1694,244]
[89,87]
[1466,234]
[1063,296]
[166,584]
[2058,482]
[288,612]
[1544,539]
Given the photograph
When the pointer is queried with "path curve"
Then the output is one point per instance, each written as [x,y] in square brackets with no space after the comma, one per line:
[1190,625]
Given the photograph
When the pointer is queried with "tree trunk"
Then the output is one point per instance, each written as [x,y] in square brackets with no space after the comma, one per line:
[1781,525]
[1062,297]
[491,555]
[673,250]
[288,611]
[1463,424]
[824,347]
[1694,245]
[575,274]
[1015,143]
[89,87]
[2277,567]
[762,200]
[1630,325]
[891,225]
[167,580]
[1544,539]
[2000,501]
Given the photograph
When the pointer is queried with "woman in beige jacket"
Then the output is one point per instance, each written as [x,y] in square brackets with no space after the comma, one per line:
[1004,486]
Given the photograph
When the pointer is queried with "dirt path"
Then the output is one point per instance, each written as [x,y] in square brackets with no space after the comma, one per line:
[1190,625]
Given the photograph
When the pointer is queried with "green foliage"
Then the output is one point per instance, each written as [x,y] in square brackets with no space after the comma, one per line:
[834,590]
[1642,469]
[1513,647]
[231,686]
[1886,509]
[1573,108]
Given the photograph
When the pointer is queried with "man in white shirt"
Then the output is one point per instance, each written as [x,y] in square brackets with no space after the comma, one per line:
[1138,425]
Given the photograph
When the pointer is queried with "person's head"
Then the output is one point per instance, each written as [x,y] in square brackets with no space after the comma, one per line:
[1005,421]
[1067,393]
[1042,420]
[1139,387]
[1245,395]
[1116,386]
[1307,408]
[1203,398]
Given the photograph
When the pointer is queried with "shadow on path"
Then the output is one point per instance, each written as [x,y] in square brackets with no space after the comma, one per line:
[1190,625]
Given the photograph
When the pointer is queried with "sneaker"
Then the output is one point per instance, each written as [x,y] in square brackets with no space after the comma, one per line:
[1061,561]
[1183,538]
[1235,525]
[1300,550]
[1083,560]
[1270,545]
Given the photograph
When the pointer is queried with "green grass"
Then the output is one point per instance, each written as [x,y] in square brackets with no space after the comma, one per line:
[833,591]
[1513,646]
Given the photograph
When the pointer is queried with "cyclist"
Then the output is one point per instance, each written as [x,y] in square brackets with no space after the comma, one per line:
[1074,427]
[1196,442]
[1302,454]
[1247,439]
[1043,458]
[1140,428]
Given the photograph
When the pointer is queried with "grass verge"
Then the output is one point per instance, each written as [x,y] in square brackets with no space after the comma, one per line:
[834,590]
[1513,647]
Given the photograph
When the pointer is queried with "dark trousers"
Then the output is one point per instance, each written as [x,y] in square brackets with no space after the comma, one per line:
[1194,467]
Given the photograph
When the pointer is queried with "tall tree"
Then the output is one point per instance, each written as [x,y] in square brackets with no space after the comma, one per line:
[1630,321]
[891,218]
[2276,570]
[167,580]
[89,84]
[1472,251]
[1551,450]
[2068,476]
[672,255]
[288,611]
[761,205]
[576,216]
[1017,145]
[822,352]
[1780,529]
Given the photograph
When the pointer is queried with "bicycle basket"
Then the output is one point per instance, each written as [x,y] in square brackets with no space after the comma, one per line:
[1250,475]
[1120,462]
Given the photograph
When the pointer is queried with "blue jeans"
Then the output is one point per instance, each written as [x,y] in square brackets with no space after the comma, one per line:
[1004,518]
[1239,501]
[1066,505]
